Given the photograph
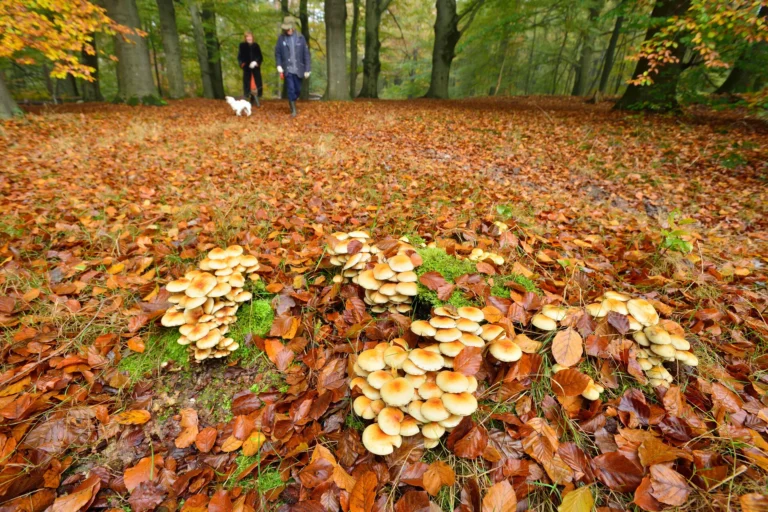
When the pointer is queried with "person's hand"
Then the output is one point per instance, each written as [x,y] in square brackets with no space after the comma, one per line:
[253,64]
[279,69]
[307,73]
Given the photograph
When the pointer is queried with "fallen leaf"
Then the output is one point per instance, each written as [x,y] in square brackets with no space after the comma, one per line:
[500,498]
[567,347]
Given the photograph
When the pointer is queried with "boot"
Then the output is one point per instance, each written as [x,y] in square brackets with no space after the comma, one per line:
[293,108]
[256,100]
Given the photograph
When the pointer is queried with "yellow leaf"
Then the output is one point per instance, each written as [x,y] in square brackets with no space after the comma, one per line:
[252,445]
[579,500]
[116,268]
[138,417]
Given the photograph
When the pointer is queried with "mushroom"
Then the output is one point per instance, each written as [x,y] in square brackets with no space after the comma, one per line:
[423,328]
[397,392]
[543,322]
[451,349]
[201,285]
[389,420]
[643,311]
[460,404]
[492,332]
[556,313]
[471,313]
[432,431]
[173,318]
[506,350]
[378,378]
[371,360]
[401,263]
[452,382]
[434,410]
[446,335]
[430,390]
[379,443]
[426,360]
[409,427]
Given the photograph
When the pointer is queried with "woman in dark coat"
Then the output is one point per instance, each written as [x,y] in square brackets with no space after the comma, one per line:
[250,59]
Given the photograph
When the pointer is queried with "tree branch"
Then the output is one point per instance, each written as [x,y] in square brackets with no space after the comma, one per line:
[384,5]
[472,11]
[402,36]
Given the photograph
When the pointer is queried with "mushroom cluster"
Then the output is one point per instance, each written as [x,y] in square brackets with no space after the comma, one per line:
[346,253]
[478,255]
[206,300]
[593,389]
[661,340]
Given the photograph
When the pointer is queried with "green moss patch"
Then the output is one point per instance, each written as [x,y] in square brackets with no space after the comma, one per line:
[255,318]
[160,347]
[499,290]
[450,267]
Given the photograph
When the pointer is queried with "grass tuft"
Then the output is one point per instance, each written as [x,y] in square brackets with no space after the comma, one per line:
[161,347]
[255,318]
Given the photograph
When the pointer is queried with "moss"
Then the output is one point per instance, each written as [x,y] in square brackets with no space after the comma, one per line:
[354,422]
[270,381]
[216,398]
[154,101]
[263,480]
[450,267]
[499,290]
[160,347]
[256,318]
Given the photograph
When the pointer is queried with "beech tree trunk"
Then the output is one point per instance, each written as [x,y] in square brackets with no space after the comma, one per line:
[584,69]
[91,90]
[171,48]
[8,106]
[661,95]
[336,49]
[202,50]
[353,48]
[444,50]
[610,55]
[213,47]
[134,70]
[304,19]
[371,62]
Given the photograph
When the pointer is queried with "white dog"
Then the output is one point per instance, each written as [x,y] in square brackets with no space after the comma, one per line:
[239,106]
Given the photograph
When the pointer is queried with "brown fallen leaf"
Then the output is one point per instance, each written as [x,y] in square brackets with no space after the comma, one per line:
[205,439]
[500,498]
[138,417]
[438,474]
[189,428]
[668,485]
[363,495]
[567,347]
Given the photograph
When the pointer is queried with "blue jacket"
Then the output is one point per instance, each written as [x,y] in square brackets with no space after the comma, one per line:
[283,54]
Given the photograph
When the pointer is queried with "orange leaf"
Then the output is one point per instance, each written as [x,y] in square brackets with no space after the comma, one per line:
[569,382]
[205,439]
[567,347]
[252,444]
[189,428]
[231,444]
[363,495]
[145,470]
[500,498]
[437,475]
[136,344]
[138,417]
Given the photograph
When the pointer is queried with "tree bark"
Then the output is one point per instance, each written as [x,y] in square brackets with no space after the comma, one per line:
[584,69]
[610,55]
[92,90]
[557,64]
[213,47]
[304,19]
[371,62]
[661,95]
[134,70]
[353,48]
[444,50]
[171,48]
[8,106]
[503,49]
[530,59]
[202,51]
[336,52]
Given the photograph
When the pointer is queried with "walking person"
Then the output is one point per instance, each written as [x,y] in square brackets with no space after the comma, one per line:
[250,59]
[293,61]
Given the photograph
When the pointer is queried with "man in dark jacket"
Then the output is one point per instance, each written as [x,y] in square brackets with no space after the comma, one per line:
[293,61]
[249,57]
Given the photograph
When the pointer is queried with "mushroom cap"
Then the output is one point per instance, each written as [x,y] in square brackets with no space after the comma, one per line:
[460,404]
[377,442]
[433,431]
[470,340]
[243,296]
[407,277]
[408,289]
[210,340]
[641,338]
[359,371]
[416,380]
[645,364]
[395,356]
[643,311]
[432,348]
[197,331]
[362,407]
[423,328]
[656,334]
[397,392]
[452,421]
[623,297]
[657,372]
[442,322]
[679,342]
[388,289]
[430,390]
[217,264]
[451,349]
[687,358]
[389,420]
[492,332]
[370,391]
[465,325]
[472,384]
[591,392]
[234,250]
[173,318]
[368,281]
[178,285]
[616,306]
[382,272]
[426,360]
[665,351]
[431,443]
[505,350]
[248,260]
[446,335]
[400,263]
[201,354]
[359,234]
[554,312]
[597,310]
[201,285]
[410,368]
[634,325]
[543,322]
[659,383]
[409,426]
[371,360]
[379,378]
[452,382]
[471,313]
[434,410]
[220,290]
[414,409]
[218,253]
[448,311]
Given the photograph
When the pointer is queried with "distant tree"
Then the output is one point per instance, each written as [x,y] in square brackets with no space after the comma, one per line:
[171,48]
[353,48]
[372,62]
[750,70]
[213,48]
[336,49]
[584,66]
[202,50]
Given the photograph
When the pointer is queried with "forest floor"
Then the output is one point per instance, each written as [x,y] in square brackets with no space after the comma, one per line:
[102,205]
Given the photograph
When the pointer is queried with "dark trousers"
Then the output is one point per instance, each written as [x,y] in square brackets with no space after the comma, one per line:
[293,84]
[256,74]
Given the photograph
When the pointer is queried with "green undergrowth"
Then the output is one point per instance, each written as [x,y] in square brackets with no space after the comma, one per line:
[254,317]
[160,347]
[499,290]
[262,480]
[450,267]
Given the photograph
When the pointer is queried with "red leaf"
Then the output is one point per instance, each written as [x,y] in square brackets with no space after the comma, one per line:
[569,382]
[617,472]
[220,502]
[668,485]
[413,501]
[433,280]
[468,361]
[473,444]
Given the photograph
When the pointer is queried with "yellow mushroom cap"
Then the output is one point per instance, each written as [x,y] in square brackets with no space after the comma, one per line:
[362,407]
[397,392]
[379,443]
[426,360]
[465,325]
[432,431]
[543,322]
[446,335]
[371,360]
[472,384]
[657,335]
[597,310]
[395,356]
[173,318]
[448,311]
[379,378]
[451,349]
[408,289]
[470,340]
[452,421]
[442,322]
[471,313]
[178,285]
[201,285]
[218,254]
[400,263]
[411,369]
[407,277]
[452,382]
[505,350]
[430,390]
[423,328]
[409,426]
[616,306]
[414,409]
[492,331]
[431,443]
[460,404]
[382,272]
[389,420]
[434,410]
[643,311]
[554,312]
[679,342]
[197,331]
[210,340]
[665,351]
[591,392]
[220,290]
[368,281]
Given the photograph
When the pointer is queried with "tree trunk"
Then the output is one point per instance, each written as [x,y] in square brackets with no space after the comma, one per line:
[444,50]
[153,55]
[92,90]
[530,58]
[610,55]
[8,106]
[202,51]
[134,71]
[171,48]
[66,88]
[304,18]
[557,64]
[661,95]
[336,49]
[353,48]
[371,62]
[213,47]
[503,49]
[584,69]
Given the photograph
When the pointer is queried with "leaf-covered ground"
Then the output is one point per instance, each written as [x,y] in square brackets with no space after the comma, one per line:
[101,205]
